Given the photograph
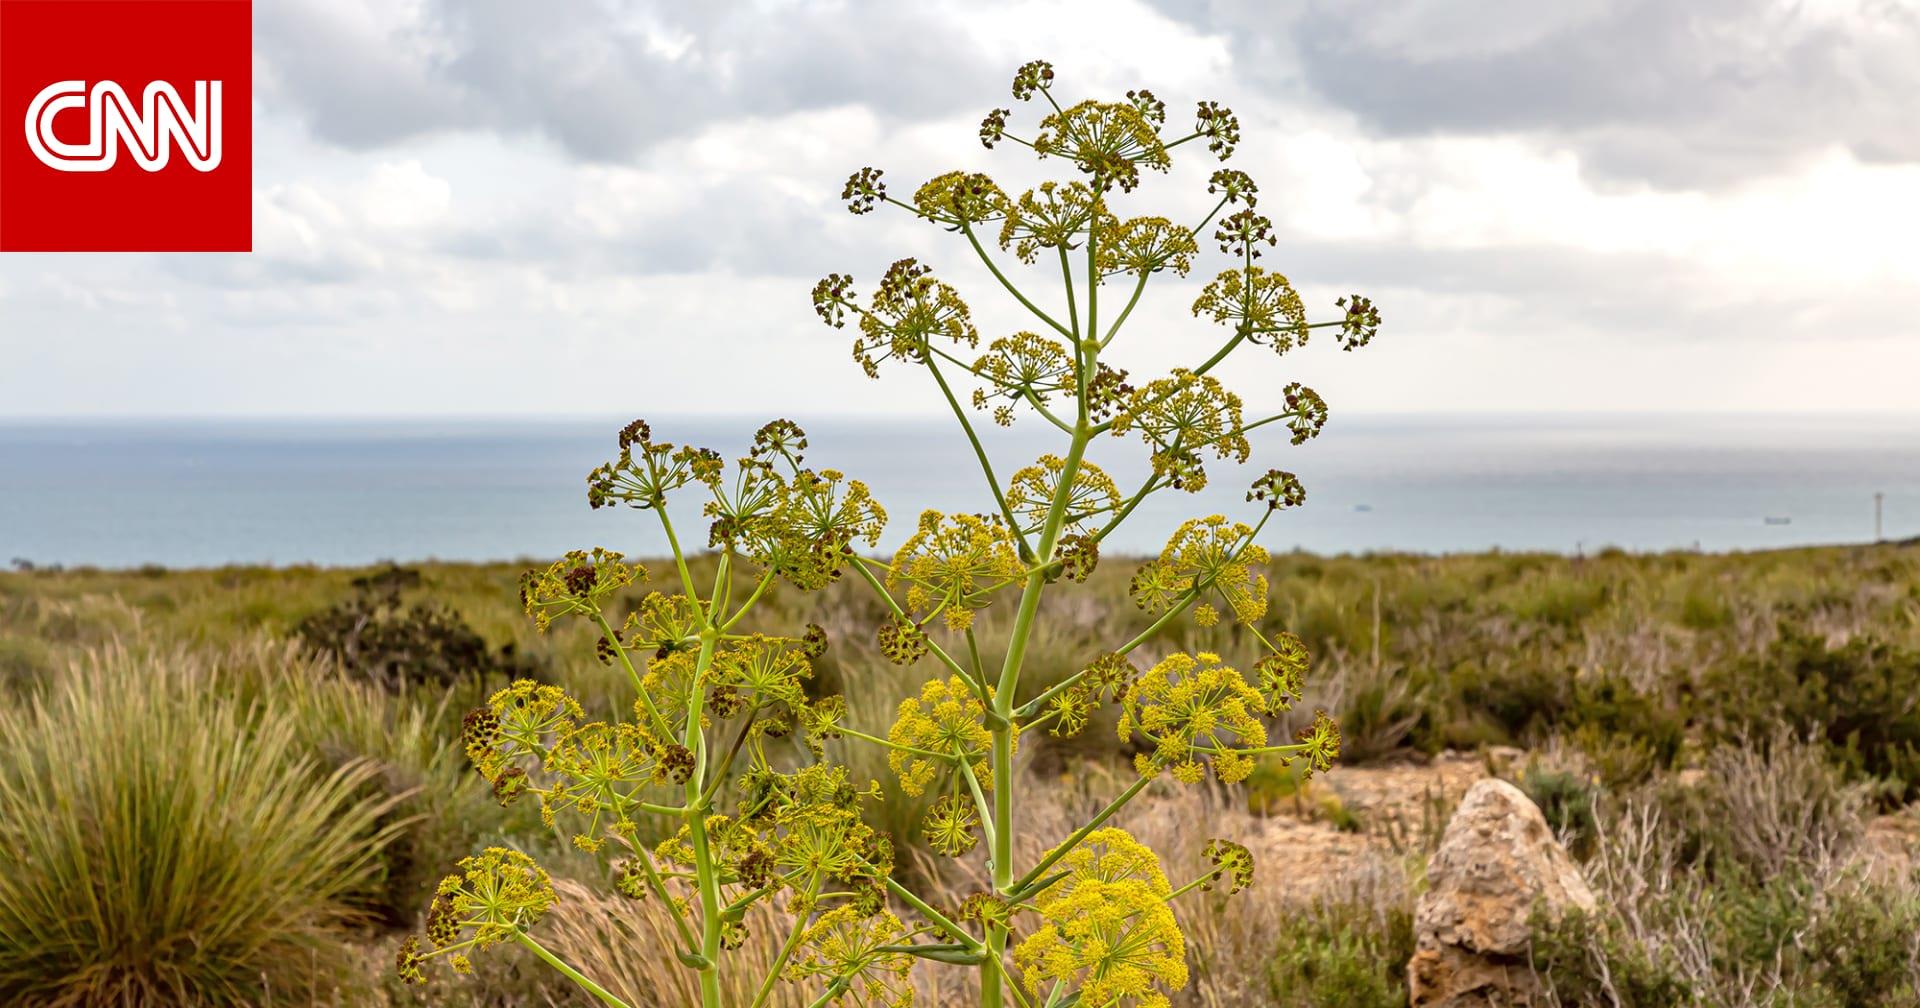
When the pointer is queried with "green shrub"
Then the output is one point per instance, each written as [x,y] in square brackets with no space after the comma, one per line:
[1333,958]
[374,634]
[1584,959]
[1378,710]
[1704,612]
[1566,799]
[1862,698]
[1519,698]
[1627,733]
[1868,948]
[169,846]
[1560,602]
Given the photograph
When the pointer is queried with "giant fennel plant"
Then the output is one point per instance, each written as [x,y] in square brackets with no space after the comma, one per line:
[724,746]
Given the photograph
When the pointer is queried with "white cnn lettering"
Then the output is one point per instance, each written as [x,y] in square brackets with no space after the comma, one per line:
[149,131]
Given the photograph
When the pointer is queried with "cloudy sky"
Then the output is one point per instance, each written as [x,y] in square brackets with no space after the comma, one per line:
[593,206]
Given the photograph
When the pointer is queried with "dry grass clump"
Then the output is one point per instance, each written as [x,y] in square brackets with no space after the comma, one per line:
[170,845]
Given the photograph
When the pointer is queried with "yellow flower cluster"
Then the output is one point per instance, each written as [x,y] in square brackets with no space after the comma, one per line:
[1145,245]
[1107,677]
[1283,673]
[647,470]
[960,199]
[908,310]
[497,894]
[765,675]
[1258,303]
[1110,141]
[950,825]
[1306,411]
[859,953]
[1031,491]
[1232,864]
[576,584]
[1054,215]
[517,721]
[1024,364]
[800,832]
[1106,930]
[599,771]
[801,525]
[1322,741]
[1197,713]
[663,623]
[1206,555]
[952,566]
[1179,416]
[946,718]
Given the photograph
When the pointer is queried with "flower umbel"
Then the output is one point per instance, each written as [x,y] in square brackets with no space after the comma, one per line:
[1197,713]
[1106,929]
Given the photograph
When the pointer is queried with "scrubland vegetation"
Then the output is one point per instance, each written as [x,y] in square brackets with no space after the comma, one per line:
[239,786]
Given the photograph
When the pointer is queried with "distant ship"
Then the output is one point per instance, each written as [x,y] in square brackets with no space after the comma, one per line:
[1778,520]
[1363,507]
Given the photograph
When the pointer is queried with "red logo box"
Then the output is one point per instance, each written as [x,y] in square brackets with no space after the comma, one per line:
[126,125]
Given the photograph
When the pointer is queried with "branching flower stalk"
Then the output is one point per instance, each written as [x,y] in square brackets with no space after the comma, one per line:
[724,747]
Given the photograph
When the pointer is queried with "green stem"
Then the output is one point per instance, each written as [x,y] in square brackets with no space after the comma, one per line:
[605,996]
[1012,988]
[660,724]
[1085,352]
[721,594]
[979,800]
[1208,219]
[956,955]
[834,990]
[860,564]
[765,581]
[719,776]
[1189,887]
[1114,330]
[679,559]
[1011,289]
[954,931]
[1041,408]
[786,948]
[659,887]
[979,452]
[704,869]
[890,744]
[1221,354]
[1081,834]
[1073,309]
[979,670]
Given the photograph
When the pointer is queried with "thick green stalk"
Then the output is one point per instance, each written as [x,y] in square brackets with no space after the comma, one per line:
[1085,351]
[704,868]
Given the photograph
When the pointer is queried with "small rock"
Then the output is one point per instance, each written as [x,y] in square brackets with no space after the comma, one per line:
[1497,861]
[1504,760]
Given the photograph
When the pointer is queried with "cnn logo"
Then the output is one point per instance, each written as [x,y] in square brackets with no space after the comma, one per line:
[127,125]
[149,130]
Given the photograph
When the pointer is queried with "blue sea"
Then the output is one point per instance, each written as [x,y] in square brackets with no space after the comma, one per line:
[123,493]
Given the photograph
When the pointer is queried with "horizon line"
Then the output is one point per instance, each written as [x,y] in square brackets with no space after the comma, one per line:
[596,416]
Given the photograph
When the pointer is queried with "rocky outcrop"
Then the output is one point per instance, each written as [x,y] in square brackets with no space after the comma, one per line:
[1497,862]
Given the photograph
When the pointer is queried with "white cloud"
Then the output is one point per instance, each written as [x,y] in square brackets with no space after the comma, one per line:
[433,237]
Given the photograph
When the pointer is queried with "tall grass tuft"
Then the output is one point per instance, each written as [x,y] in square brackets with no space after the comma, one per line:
[167,845]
